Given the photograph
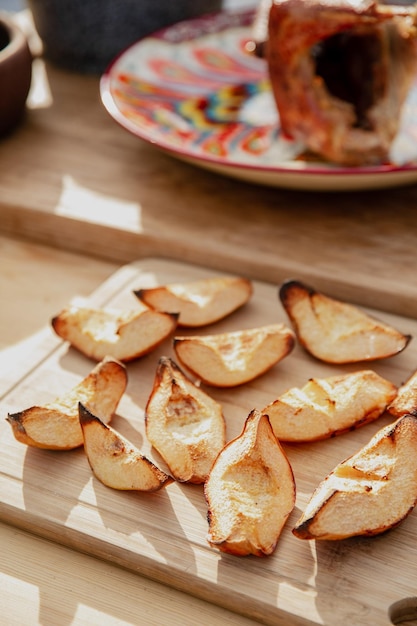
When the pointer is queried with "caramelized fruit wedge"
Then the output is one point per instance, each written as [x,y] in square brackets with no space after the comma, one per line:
[406,399]
[326,407]
[250,491]
[184,424]
[125,335]
[115,461]
[199,302]
[234,358]
[370,492]
[337,332]
[55,426]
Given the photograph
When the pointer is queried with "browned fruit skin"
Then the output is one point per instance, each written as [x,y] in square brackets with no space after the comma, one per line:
[368,493]
[115,461]
[250,491]
[335,331]
[124,335]
[234,358]
[55,426]
[347,110]
[327,407]
[406,399]
[183,423]
[201,302]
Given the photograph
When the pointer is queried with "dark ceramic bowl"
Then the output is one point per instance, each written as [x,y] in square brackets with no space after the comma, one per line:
[86,35]
[15,73]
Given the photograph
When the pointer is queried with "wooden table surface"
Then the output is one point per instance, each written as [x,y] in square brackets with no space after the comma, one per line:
[72,179]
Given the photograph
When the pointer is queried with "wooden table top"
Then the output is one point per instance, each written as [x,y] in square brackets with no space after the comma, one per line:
[99,197]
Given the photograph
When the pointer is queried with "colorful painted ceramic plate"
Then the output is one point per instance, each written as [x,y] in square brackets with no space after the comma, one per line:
[194,91]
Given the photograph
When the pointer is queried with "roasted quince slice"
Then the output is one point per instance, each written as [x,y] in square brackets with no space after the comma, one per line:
[114,460]
[56,426]
[199,302]
[184,424]
[406,398]
[250,491]
[326,407]
[335,331]
[125,335]
[368,493]
[233,358]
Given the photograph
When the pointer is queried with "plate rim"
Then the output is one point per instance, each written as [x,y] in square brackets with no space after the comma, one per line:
[228,167]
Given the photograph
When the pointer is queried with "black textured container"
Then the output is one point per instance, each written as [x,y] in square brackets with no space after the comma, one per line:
[85,35]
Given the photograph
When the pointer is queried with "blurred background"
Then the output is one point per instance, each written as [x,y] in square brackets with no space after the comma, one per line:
[12,5]
[86,35]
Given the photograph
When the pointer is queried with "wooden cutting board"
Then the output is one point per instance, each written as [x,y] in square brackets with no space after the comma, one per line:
[54,494]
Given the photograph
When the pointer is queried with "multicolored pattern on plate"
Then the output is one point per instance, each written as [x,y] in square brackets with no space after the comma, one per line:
[193,89]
